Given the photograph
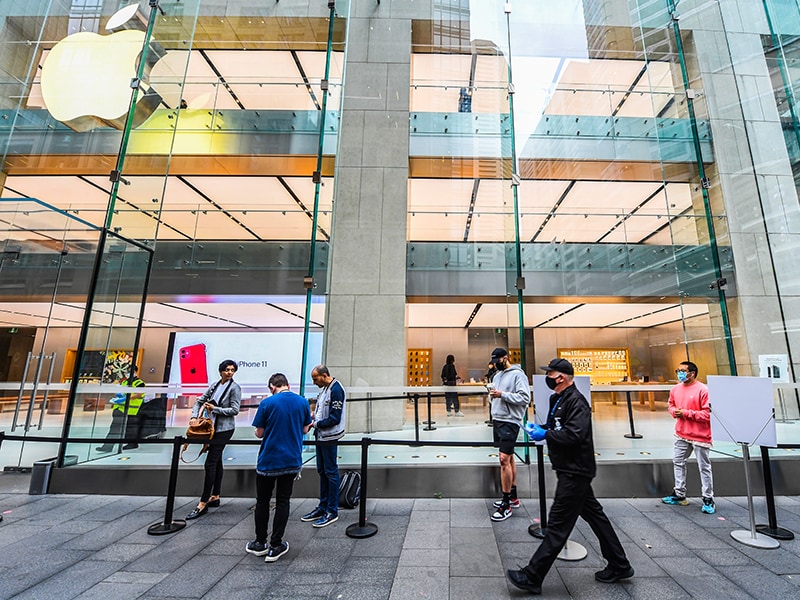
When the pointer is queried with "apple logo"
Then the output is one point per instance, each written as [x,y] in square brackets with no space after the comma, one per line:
[86,77]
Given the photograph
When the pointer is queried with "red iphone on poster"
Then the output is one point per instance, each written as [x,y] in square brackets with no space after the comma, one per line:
[193,365]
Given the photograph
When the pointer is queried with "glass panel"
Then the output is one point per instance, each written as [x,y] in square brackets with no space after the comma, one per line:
[108,352]
[44,272]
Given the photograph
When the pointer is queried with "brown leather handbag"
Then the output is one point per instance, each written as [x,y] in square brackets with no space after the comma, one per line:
[201,428]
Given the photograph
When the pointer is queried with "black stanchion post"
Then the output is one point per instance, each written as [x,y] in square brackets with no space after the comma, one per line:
[771,529]
[429,424]
[169,525]
[534,529]
[416,417]
[632,435]
[362,529]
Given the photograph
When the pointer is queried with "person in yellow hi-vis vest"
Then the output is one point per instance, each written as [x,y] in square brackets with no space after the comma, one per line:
[115,432]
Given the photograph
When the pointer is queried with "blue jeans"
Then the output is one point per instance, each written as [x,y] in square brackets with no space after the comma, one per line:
[328,470]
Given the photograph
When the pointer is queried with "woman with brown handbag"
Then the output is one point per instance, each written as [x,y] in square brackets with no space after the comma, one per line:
[222,400]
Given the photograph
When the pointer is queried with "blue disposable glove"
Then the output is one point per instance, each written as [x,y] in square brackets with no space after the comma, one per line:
[118,399]
[535,432]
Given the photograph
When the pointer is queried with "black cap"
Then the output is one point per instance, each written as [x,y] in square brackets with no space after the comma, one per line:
[498,353]
[562,365]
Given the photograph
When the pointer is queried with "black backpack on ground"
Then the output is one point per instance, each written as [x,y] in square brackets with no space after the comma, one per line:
[349,489]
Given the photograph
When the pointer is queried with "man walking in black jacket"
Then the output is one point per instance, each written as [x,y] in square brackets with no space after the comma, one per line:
[568,433]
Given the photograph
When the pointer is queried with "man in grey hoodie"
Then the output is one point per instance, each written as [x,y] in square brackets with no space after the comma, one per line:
[511,395]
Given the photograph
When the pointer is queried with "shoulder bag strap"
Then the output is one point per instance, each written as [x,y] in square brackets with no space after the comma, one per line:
[199,454]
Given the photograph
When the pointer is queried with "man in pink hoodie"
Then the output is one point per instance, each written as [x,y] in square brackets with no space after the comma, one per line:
[688,405]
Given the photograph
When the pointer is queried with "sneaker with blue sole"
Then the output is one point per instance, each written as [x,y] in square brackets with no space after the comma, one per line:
[708,506]
[675,500]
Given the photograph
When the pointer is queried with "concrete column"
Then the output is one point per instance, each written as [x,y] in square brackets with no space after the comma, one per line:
[365,321]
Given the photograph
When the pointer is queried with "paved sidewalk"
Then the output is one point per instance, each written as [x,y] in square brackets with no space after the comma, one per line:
[97,547]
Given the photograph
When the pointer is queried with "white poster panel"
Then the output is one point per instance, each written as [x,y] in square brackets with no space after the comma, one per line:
[742,410]
[196,356]
[774,366]
[542,393]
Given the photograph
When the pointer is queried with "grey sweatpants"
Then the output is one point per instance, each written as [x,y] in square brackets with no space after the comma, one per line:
[682,451]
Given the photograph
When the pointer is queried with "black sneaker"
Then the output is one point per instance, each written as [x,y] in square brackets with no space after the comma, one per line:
[610,575]
[275,552]
[257,548]
[313,515]
[521,580]
[325,520]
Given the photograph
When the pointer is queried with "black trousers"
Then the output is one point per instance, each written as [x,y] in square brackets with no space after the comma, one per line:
[116,432]
[212,483]
[574,498]
[451,399]
[283,485]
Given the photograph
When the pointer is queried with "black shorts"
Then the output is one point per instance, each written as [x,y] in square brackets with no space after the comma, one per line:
[505,436]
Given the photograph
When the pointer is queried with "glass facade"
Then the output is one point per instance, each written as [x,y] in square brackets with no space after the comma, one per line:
[378,186]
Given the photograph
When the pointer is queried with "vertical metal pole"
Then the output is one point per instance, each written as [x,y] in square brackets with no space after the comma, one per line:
[52,358]
[772,528]
[317,178]
[429,426]
[746,455]
[116,174]
[21,392]
[515,181]
[169,525]
[632,435]
[533,529]
[34,391]
[416,417]
[362,529]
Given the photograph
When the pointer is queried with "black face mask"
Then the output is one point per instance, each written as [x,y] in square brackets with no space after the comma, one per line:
[551,382]
[500,366]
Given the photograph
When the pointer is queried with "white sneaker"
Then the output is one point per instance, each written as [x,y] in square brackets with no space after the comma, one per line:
[459,414]
[502,513]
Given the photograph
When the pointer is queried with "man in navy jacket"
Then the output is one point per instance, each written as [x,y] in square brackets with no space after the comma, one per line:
[570,446]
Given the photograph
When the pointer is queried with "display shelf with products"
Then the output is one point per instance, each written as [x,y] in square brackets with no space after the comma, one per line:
[602,365]
[419,366]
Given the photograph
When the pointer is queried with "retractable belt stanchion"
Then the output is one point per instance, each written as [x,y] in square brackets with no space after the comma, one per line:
[362,529]
[632,435]
[572,551]
[169,525]
[429,423]
[416,417]
[771,529]
[534,529]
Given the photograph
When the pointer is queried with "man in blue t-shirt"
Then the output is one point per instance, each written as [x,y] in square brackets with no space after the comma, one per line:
[281,421]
